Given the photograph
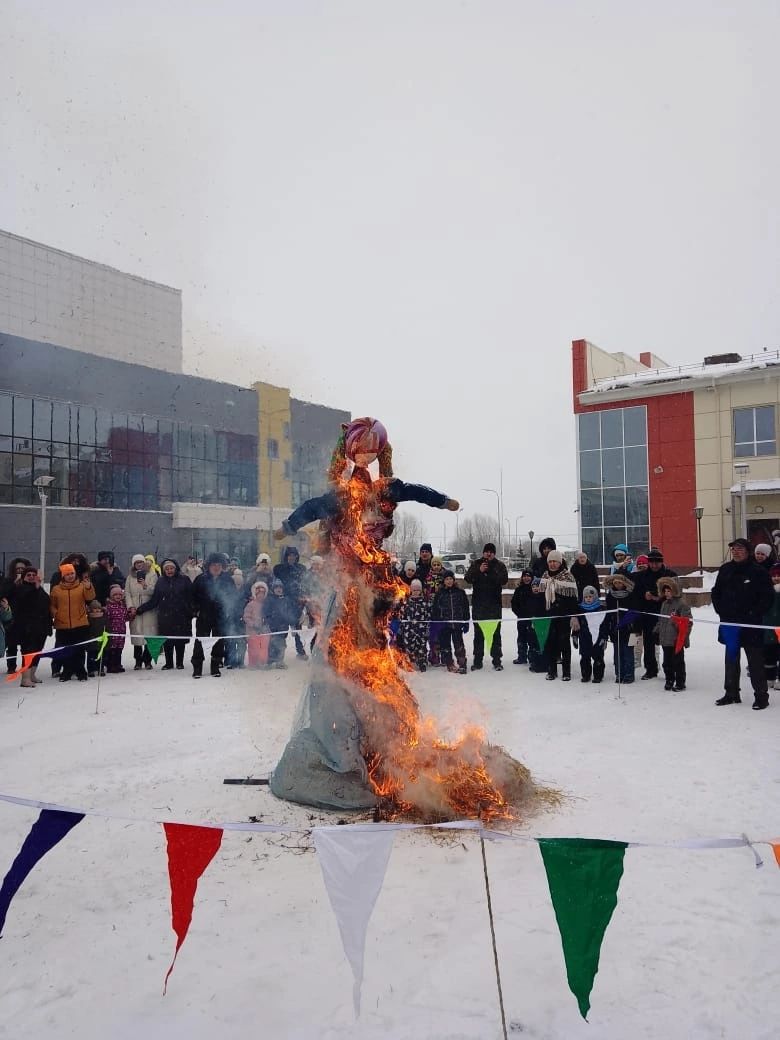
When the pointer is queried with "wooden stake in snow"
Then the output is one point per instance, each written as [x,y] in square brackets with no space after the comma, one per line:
[493,938]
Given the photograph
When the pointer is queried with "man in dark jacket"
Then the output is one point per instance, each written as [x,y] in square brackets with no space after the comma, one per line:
[646,597]
[214,596]
[743,593]
[424,561]
[105,575]
[584,572]
[487,577]
[292,574]
[539,564]
[451,608]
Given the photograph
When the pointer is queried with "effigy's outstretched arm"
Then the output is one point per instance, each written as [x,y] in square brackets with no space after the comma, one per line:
[400,491]
[321,508]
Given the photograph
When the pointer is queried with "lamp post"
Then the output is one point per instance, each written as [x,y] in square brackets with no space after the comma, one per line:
[517,540]
[698,512]
[742,469]
[508,525]
[43,484]
[498,511]
[531,549]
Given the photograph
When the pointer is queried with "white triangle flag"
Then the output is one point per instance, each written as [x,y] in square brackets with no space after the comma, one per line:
[353,865]
[595,619]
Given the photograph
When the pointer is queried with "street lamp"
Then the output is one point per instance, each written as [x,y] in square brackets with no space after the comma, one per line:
[742,469]
[698,512]
[43,484]
[517,540]
[531,550]
[498,510]
[508,524]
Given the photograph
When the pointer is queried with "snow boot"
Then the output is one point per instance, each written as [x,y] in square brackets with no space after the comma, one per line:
[215,668]
[586,669]
[728,699]
[598,671]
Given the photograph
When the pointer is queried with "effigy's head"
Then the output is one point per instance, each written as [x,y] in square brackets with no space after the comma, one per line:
[364,439]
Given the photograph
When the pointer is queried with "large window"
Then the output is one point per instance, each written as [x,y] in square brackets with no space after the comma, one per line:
[754,431]
[613,480]
[113,460]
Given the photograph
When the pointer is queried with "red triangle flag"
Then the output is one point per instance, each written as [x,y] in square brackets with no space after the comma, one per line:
[683,625]
[777,633]
[190,850]
[28,660]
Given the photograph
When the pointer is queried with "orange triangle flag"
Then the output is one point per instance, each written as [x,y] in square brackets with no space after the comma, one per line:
[28,660]
[776,850]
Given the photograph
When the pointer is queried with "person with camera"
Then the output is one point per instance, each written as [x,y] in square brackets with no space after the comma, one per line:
[487,577]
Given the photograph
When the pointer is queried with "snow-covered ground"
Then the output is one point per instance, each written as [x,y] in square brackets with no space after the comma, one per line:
[691,950]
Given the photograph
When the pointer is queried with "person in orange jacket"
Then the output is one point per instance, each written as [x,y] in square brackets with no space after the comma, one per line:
[68,605]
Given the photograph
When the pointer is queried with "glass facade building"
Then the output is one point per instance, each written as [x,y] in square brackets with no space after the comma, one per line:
[613,481]
[118,460]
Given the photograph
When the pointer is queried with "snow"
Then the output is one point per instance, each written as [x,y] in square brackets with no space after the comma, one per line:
[691,951]
[698,372]
[770,484]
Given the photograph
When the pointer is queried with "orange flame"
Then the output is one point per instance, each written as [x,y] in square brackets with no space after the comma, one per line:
[409,766]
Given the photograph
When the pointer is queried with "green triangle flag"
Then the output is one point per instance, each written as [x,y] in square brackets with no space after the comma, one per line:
[102,644]
[154,645]
[542,629]
[583,875]
[488,628]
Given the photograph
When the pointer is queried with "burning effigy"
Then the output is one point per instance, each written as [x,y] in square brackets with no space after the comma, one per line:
[359,739]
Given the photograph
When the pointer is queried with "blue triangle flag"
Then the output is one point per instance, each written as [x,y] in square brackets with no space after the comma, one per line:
[49,829]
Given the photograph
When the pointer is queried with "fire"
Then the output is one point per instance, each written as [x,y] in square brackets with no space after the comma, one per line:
[410,767]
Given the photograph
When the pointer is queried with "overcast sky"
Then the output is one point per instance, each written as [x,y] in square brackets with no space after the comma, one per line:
[410,209]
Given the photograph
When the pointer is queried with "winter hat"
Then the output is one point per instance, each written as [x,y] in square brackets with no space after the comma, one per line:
[654,556]
[262,558]
[105,554]
[216,557]
[525,571]
[488,547]
[415,584]
[743,542]
[555,556]
[590,588]
[668,583]
[426,547]
[547,543]
[612,580]
[277,583]
[620,547]
[67,570]
[410,565]
[138,558]
[643,560]
[764,548]
[259,585]
[437,559]
[449,574]
[29,569]
[114,588]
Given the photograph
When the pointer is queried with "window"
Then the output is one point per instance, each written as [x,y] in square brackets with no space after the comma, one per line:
[754,431]
[614,504]
[272,448]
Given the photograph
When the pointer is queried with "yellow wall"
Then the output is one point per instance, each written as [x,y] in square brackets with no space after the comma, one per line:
[714,431]
[275,490]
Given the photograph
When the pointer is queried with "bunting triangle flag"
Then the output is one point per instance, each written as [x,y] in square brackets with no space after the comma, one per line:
[353,865]
[683,626]
[154,645]
[628,618]
[776,845]
[190,850]
[777,634]
[50,828]
[583,875]
[27,662]
[102,644]
[729,636]
[542,629]
[594,619]
[488,629]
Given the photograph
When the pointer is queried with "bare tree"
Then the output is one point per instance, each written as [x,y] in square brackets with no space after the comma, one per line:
[406,538]
[474,531]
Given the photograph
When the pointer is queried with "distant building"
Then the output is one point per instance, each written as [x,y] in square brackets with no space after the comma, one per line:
[144,457]
[656,442]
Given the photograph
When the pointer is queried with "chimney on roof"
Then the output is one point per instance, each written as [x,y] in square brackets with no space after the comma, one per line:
[722,359]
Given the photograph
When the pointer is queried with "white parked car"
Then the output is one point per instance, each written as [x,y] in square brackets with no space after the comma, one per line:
[458,563]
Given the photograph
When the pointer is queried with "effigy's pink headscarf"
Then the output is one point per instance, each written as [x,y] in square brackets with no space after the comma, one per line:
[365,436]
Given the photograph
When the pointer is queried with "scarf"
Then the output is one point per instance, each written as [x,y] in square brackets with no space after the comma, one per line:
[595,605]
[559,584]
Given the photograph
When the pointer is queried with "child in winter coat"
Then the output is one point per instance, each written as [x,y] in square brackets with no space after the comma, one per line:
[432,583]
[97,626]
[620,592]
[451,611]
[256,627]
[276,613]
[587,635]
[771,645]
[117,616]
[524,605]
[672,605]
[415,618]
